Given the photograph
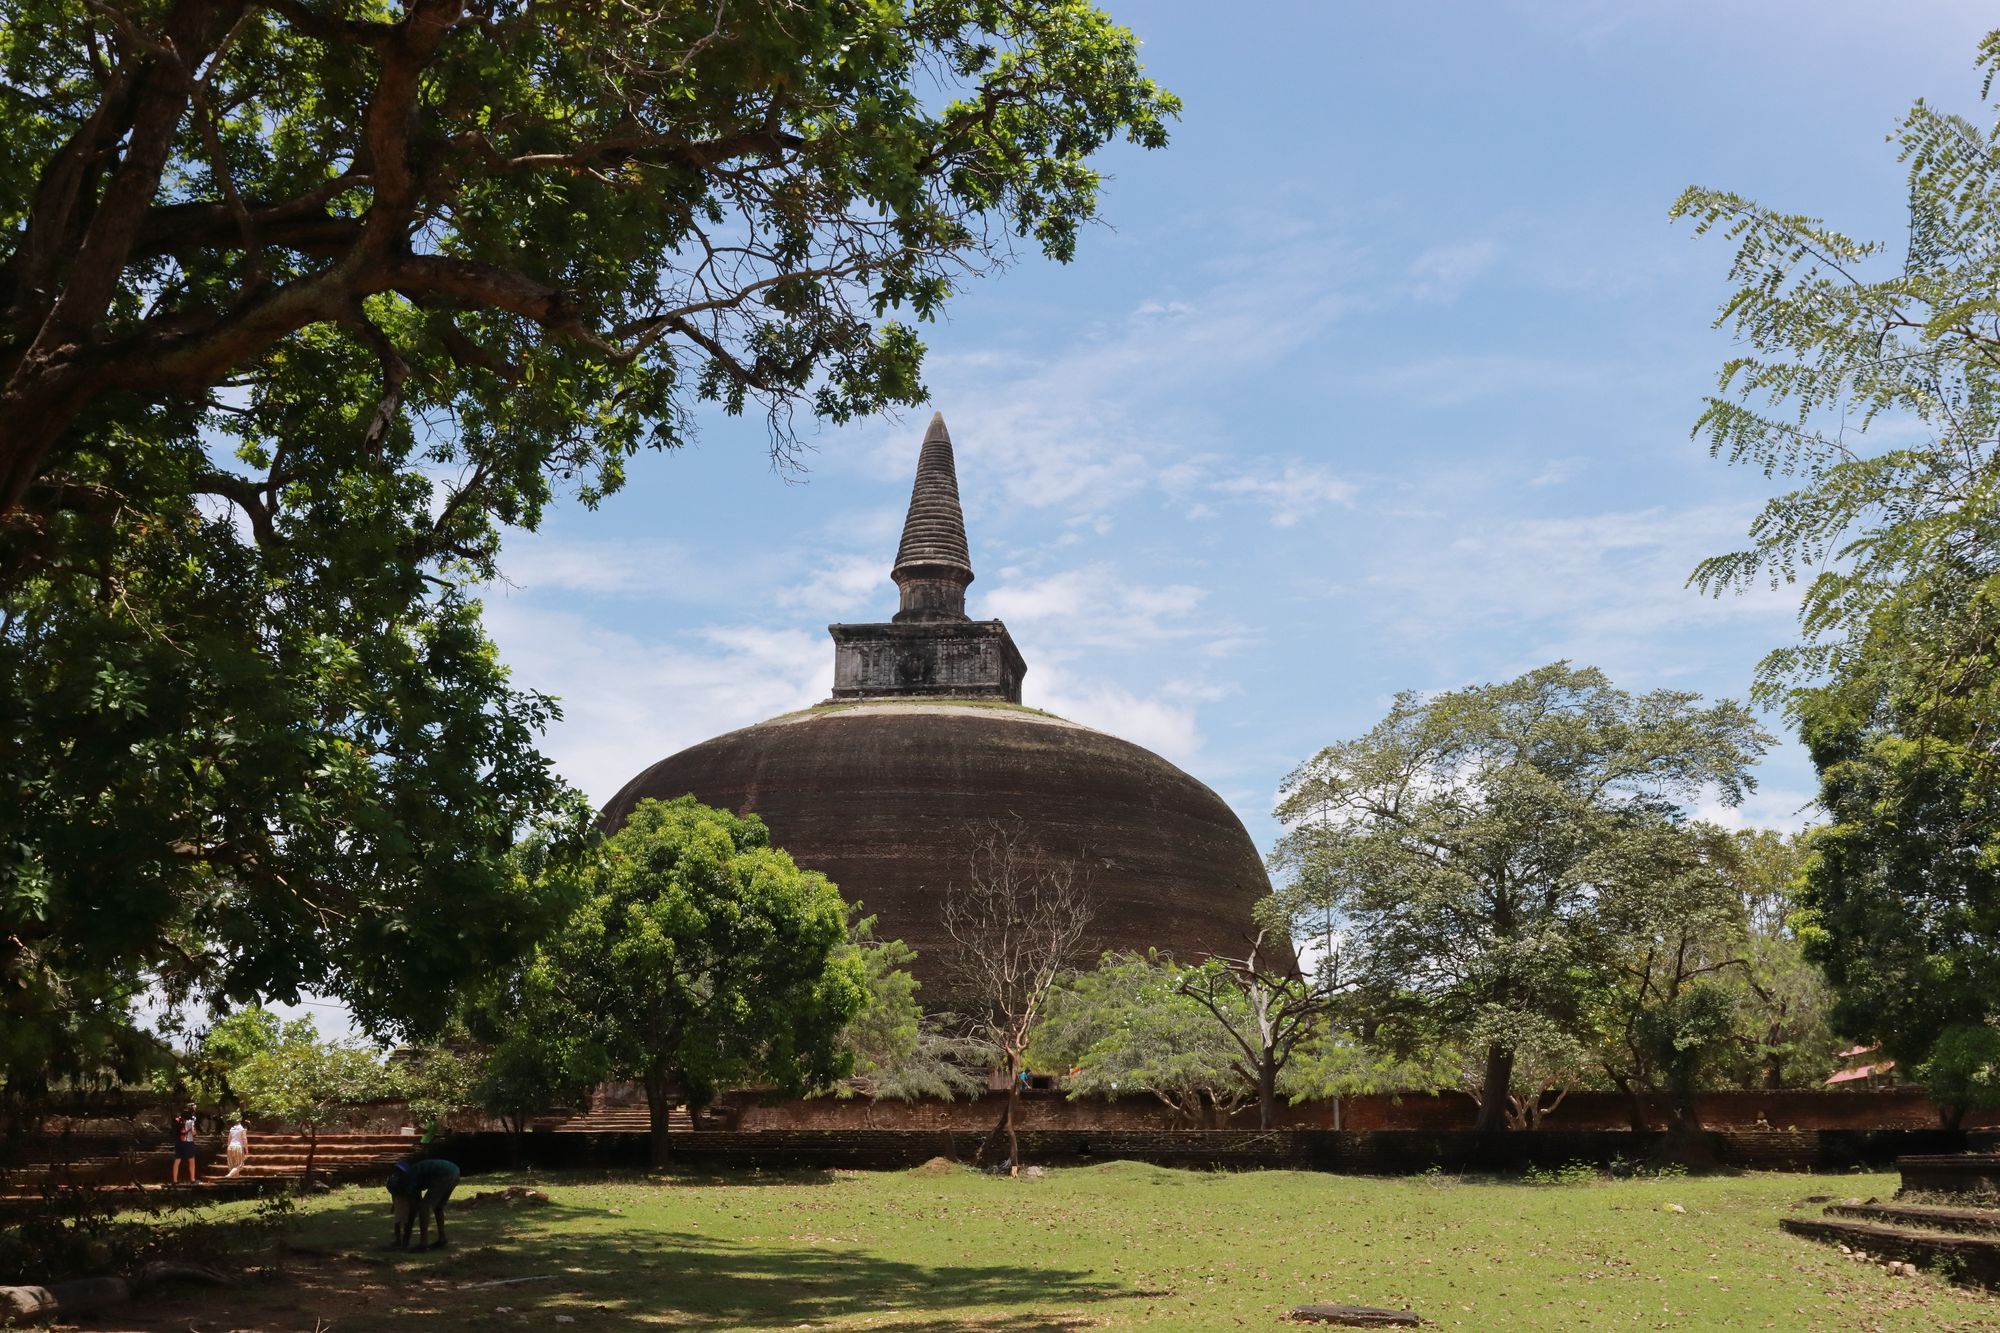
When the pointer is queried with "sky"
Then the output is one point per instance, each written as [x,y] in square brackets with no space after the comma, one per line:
[1380,377]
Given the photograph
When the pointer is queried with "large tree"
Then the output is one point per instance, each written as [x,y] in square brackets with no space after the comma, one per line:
[1871,379]
[1127,1027]
[310,1083]
[302,301]
[700,957]
[556,221]
[1266,1009]
[1901,891]
[1014,917]
[1787,1037]
[1472,839]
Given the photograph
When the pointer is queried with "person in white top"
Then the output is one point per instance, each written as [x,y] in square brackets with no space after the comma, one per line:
[238,1146]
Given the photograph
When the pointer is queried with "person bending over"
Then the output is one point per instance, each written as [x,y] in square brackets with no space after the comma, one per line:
[417,1193]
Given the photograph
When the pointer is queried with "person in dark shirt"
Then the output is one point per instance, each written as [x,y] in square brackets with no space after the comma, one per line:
[417,1193]
[186,1131]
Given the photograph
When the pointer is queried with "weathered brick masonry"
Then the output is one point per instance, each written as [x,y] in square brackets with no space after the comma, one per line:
[1804,1109]
[1382,1152]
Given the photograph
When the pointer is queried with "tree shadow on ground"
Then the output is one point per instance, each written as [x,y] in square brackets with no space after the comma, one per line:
[610,1274]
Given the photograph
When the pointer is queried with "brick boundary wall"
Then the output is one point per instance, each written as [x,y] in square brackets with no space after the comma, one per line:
[1362,1152]
[1781,1109]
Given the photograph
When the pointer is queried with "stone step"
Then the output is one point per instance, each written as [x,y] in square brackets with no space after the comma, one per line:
[1951,1173]
[1922,1217]
[341,1140]
[360,1155]
[1967,1260]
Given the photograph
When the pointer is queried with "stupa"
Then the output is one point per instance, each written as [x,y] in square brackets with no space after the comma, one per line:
[925,742]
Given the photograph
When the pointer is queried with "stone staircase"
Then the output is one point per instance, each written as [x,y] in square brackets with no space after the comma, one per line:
[1961,1245]
[603,1119]
[337,1157]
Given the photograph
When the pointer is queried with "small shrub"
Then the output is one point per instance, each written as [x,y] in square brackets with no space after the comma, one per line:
[1569,1173]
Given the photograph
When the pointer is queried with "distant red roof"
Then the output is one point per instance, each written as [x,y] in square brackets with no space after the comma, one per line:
[1861,1072]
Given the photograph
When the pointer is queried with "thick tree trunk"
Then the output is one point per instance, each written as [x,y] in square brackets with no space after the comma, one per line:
[1635,1104]
[1013,1116]
[660,1093]
[1687,1119]
[1494,1086]
[1267,1093]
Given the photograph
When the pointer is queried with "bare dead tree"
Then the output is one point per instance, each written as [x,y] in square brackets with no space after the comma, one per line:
[1279,1013]
[1015,922]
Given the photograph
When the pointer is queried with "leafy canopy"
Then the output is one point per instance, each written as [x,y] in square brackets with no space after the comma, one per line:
[1127,1027]
[1895,542]
[899,1052]
[310,1082]
[701,957]
[1475,843]
[1873,379]
[303,301]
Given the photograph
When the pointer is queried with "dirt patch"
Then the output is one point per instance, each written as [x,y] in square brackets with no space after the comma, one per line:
[939,1166]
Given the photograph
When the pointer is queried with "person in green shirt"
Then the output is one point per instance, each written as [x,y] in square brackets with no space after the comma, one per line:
[417,1193]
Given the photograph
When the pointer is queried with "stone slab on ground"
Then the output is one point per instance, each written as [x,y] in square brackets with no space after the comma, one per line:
[1975,1220]
[1970,1260]
[1355,1316]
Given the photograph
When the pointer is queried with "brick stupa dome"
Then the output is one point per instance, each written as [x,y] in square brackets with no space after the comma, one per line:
[925,742]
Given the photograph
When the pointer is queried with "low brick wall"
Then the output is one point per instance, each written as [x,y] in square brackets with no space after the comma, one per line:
[1784,1109]
[1358,1152]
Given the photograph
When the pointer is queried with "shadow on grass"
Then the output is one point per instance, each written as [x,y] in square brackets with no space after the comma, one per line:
[618,1271]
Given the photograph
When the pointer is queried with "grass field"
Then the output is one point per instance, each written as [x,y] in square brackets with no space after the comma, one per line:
[1115,1246]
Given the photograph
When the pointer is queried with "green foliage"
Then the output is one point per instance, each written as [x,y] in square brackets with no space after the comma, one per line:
[1689,1035]
[437,1081]
[1486,851]
[699,958]
[527,1074]
[1333,1062]
[70,1031]
[1785,1006]
[1872,379]
[1843,340]
[375,283]
[1679,949]
[309,1082]
[1569,1173]
[1963,1070]
[1128,1026]
[1900,899]
[232,1040]
[899,1053]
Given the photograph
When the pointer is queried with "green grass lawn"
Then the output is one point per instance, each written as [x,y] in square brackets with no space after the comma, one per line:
[1115,1246]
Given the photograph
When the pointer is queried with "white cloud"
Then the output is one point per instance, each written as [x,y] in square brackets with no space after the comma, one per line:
[1297,491]
[628,701]
[1774,808]
[1164,723]
[1443,271]
[535,562]
[1606,589]
[840,585]
[1094,606]
[1557,471]
[1089,424]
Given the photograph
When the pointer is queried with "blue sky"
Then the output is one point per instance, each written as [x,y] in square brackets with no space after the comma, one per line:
[1381,377]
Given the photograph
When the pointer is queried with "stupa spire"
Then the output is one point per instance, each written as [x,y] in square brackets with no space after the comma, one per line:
[933,565]
[931,649]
